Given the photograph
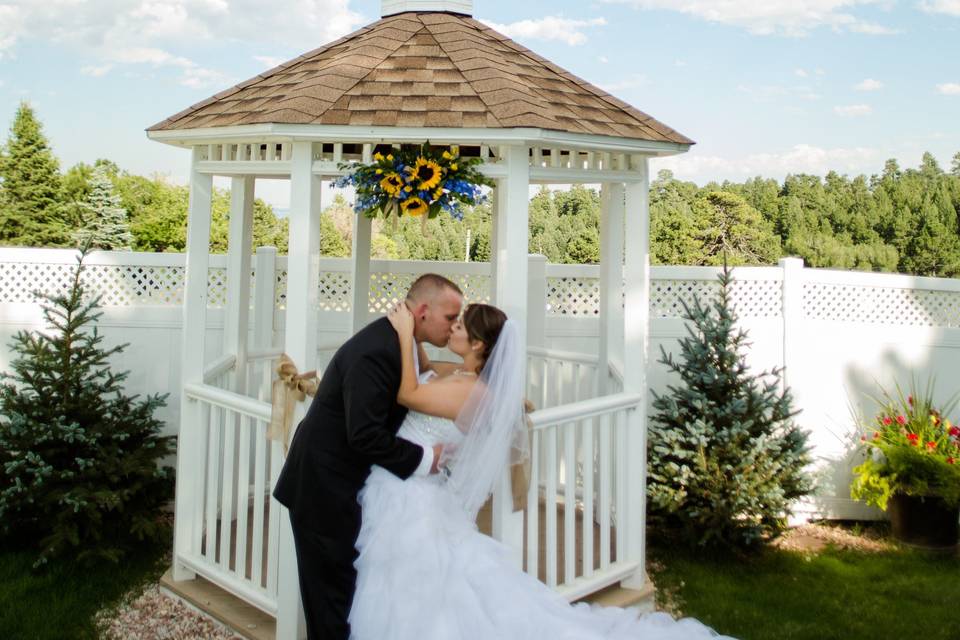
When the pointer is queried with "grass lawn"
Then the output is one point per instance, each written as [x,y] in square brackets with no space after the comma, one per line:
[61,601]
[831,593]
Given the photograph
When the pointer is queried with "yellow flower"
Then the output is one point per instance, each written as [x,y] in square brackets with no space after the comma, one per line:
[390,157]
[392,184]
[447,156]
[453,167]
[437,194]
[378,156]
[379,171]
[408,189]
[428,173]
[415,206]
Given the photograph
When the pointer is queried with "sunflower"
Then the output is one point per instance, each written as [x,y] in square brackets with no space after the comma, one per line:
[428,173]
[392,184]
[414,206]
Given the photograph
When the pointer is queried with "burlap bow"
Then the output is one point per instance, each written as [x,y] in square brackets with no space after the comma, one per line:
[289,388]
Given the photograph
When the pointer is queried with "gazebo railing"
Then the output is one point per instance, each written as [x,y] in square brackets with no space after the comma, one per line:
[579,465]
[236,525]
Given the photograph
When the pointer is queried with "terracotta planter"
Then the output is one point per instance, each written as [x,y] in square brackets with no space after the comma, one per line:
[924,521]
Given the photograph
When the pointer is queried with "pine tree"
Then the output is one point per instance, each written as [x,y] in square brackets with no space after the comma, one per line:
[725,457]
[79,460]
[105,219]
[31,210]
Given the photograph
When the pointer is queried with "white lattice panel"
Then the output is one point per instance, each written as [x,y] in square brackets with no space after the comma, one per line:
[336,292]
[751,298]
[573,296]
[881,305]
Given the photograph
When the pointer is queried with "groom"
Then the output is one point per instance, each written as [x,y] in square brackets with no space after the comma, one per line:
[351,425]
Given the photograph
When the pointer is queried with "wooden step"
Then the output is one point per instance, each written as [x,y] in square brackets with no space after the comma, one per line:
[643,600]
[224,607]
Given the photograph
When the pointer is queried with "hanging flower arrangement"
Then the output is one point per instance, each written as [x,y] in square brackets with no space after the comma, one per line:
[415,182]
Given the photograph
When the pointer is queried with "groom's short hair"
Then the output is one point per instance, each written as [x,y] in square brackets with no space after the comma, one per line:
[429,286]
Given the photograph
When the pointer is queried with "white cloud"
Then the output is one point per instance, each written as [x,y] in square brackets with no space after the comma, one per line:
[269,61]
[783,17]
[853,110]
[632,82]
[559,28]
[800,73]
[869,84]
[97,32]
[95,70]
[949,7]
[801,158]
[949,88]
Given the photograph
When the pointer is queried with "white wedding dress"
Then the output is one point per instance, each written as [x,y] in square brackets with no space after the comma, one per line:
[426,573]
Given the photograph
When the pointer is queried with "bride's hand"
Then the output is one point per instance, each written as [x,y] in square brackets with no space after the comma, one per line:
[402,319]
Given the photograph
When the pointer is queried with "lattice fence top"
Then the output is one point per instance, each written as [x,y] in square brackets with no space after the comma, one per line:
[881,305]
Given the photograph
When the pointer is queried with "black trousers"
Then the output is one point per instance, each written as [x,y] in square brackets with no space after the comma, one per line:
[325,556]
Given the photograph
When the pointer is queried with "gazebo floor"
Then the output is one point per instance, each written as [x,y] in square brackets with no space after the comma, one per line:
[250,622]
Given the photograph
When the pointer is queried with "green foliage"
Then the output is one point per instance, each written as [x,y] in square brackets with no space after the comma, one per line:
[104,219]
[79,472]
[725,457]
[909,447]
[31,204]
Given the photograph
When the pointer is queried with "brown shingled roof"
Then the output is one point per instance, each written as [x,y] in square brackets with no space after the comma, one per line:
[424,70]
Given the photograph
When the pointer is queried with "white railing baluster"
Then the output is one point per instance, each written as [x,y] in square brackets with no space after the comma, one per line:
[213,483]
[259,472]
[550,463]
[587,451]
[533,508]
[199,504]
[570,501]
[606,458]
[273,535]
[226,502]
[243,497]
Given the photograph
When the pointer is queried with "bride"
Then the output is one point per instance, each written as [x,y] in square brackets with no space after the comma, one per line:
[424,570]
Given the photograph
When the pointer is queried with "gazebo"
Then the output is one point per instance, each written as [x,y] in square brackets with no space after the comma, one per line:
[427,71]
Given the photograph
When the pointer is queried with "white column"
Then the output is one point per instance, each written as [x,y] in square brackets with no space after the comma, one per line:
[509,263]
[536,300]
[190,462]
[611,279]
[636,331]
[792,318]
[239,248]
[303,275]
[264,309]
[362,235]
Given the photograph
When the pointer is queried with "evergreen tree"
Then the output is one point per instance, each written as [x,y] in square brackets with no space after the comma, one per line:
[31,210]
[79,472]
[725,458]
[105,219]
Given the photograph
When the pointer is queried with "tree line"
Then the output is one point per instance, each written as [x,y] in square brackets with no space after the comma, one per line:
[903,220]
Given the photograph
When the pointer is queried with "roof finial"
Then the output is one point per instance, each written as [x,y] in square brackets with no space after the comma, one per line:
[392,7]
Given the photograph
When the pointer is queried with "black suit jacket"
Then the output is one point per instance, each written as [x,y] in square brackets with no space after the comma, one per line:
[351,425]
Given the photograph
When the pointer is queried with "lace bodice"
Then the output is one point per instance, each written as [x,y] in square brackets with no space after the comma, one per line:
[429,430]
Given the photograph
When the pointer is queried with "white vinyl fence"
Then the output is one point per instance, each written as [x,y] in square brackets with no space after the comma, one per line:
[837,333]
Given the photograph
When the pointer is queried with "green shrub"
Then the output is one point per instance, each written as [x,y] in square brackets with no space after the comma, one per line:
[79,460]
[725,457]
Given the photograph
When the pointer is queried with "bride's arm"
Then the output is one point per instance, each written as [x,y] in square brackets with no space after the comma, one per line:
[443,399]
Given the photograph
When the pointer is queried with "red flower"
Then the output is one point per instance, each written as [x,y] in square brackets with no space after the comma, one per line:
[876,435]
[910,400]
[887,420]
[951,461]
[931,445]
[901,420]
[955,431]
[913,438]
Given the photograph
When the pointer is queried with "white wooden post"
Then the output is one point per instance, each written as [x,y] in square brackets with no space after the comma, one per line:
[362,233]
[611,279]
[190,466]
[536,300]
[509,263]
[636,331]
[792,317]
[236,321]
[264,309]
[303,275]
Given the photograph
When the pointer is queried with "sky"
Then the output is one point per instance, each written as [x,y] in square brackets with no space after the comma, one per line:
[765,88]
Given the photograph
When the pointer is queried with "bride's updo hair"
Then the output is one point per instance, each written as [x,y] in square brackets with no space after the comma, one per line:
[484,322]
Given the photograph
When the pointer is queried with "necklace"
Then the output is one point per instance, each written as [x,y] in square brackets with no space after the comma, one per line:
[461,372]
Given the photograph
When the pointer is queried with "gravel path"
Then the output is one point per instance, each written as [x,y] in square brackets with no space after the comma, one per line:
[151,615]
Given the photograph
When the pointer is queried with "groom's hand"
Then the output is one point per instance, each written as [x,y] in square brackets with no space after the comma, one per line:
[437,450]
